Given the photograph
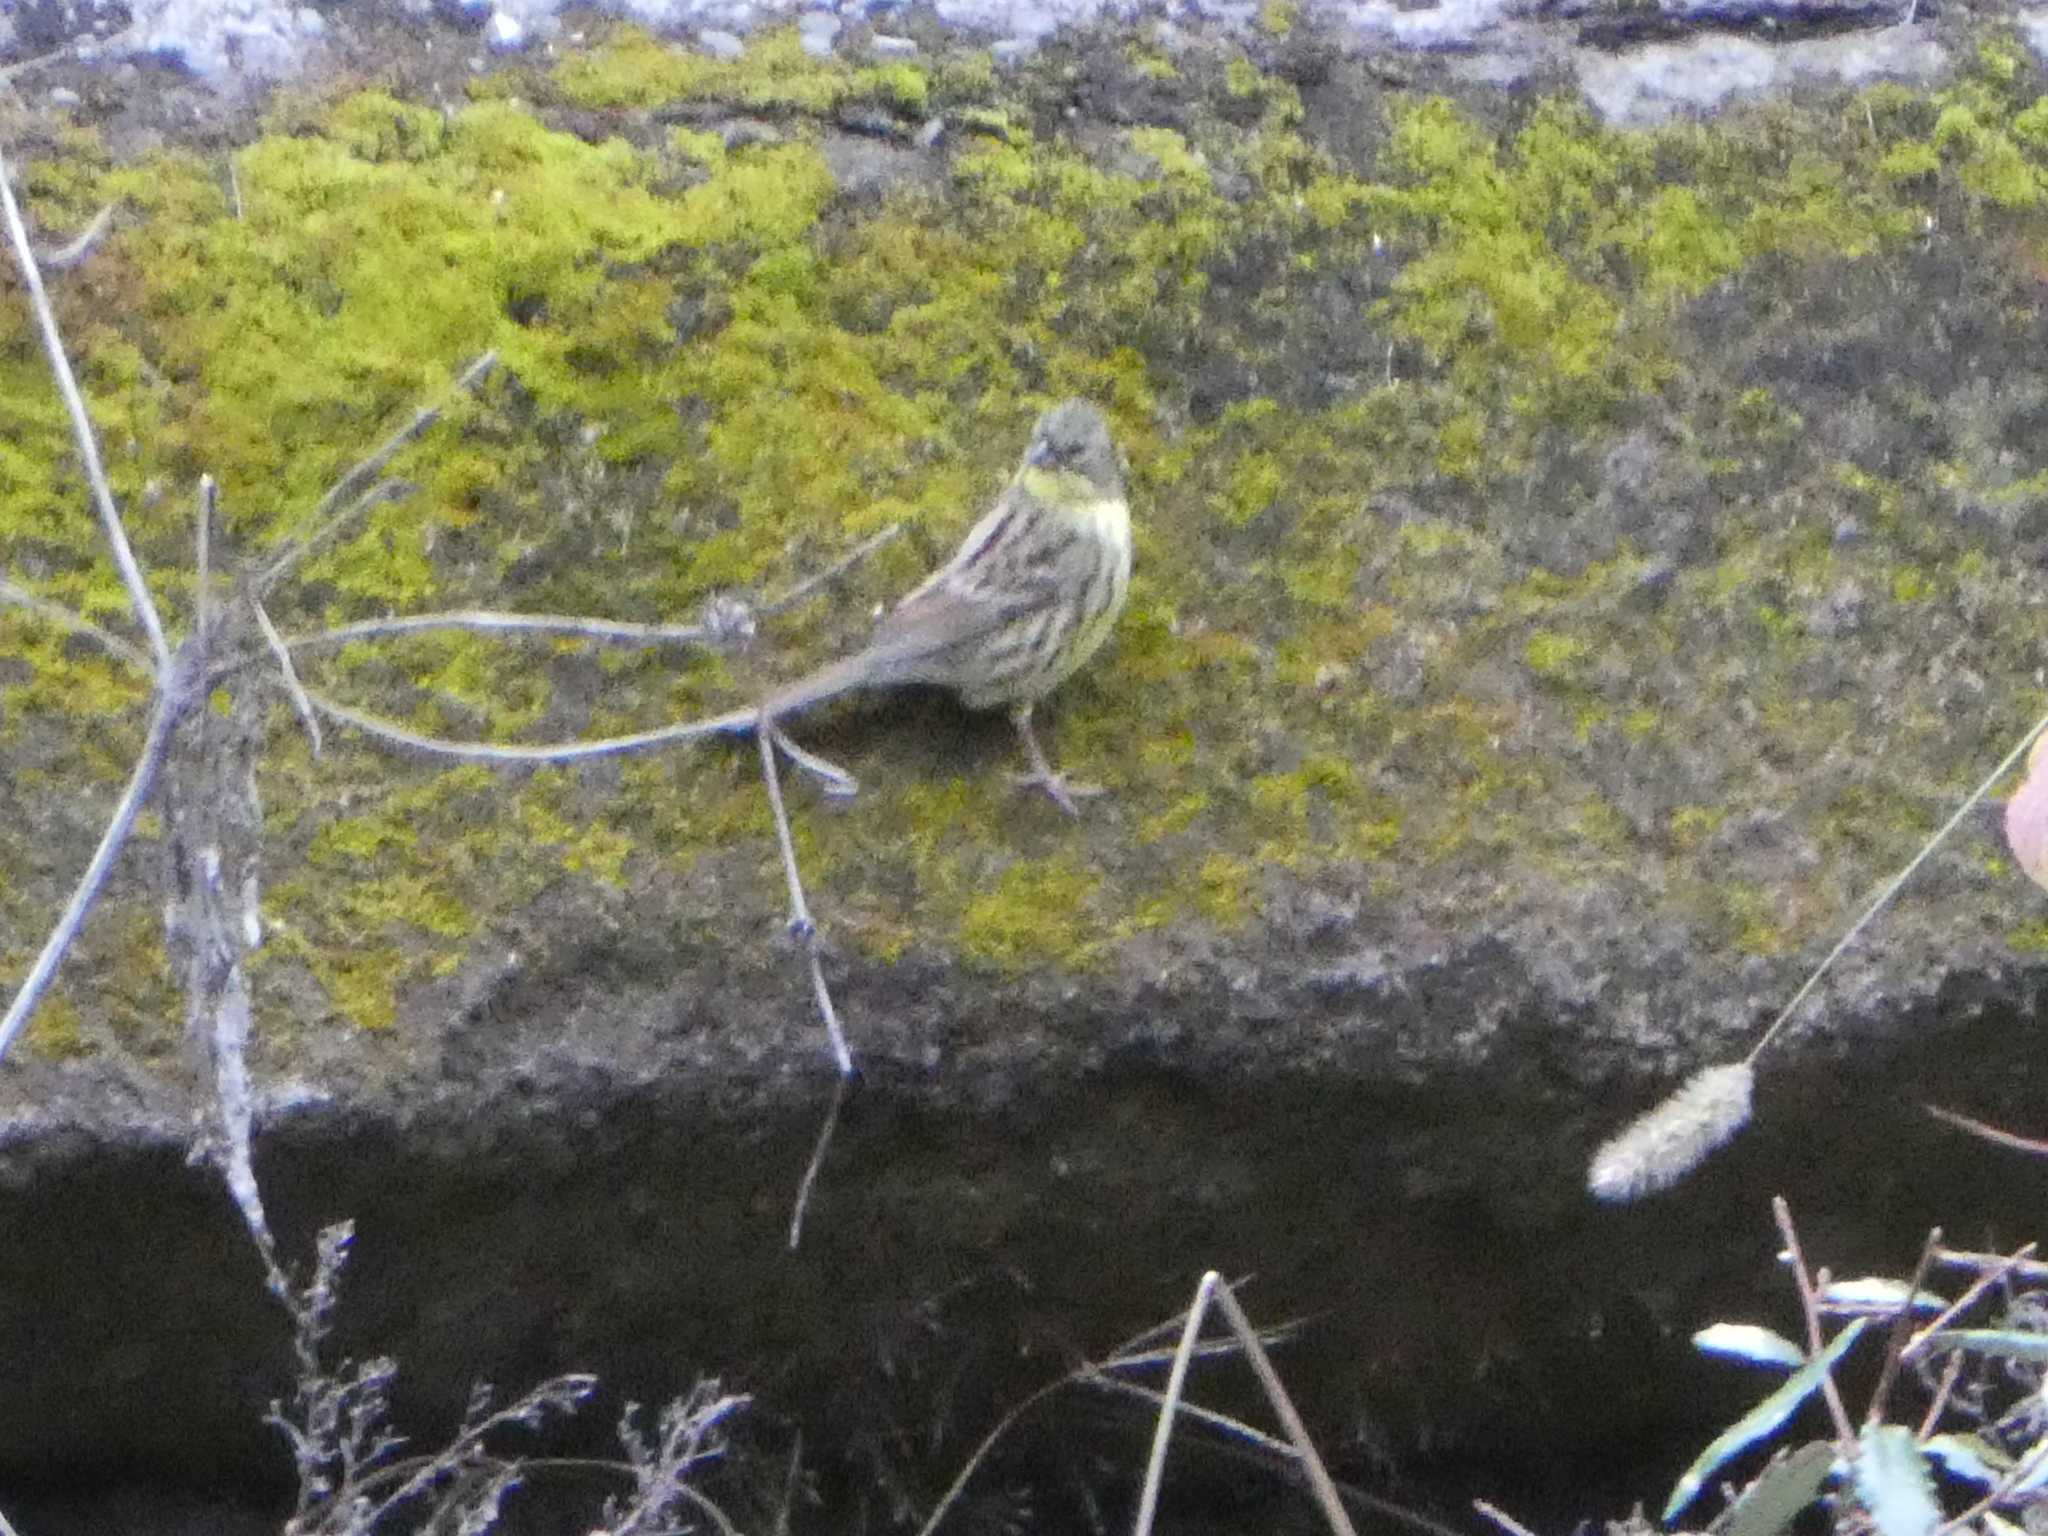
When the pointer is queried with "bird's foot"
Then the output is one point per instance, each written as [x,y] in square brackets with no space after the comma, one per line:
[1062,790]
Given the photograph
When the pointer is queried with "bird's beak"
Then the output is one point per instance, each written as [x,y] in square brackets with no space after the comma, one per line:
[1040,455]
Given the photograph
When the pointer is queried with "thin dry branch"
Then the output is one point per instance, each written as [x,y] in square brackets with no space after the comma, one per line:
[1987,1132]
[1816,1343]
[1901,1330]
[834,779]
[81,427]
[325,527]
[65,619]
[1502,1518]
[207,503]
[816,1165]
[2024,1268]
[303,549]
[62,258]
[838,568]
[170,704]
[598,631]
[801,927]
[487,621]
[1893,886]
[505,755]
[1214,1289]
[294,689]
[1986,1278]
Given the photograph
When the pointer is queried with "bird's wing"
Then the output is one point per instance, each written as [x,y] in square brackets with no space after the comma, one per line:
[924,637]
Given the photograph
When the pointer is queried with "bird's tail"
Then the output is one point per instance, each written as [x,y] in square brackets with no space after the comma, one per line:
[829,681]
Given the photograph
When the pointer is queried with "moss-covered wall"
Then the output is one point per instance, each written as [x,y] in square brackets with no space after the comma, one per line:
[1521,502]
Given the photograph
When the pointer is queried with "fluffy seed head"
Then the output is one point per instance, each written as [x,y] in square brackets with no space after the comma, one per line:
[1664,1144]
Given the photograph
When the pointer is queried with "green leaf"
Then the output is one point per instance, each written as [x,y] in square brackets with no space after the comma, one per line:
[2007,1343]
[1761,1420]
[1787,1486]
[1746,1341]
[1969,1456]
[1892,1482]
[1877,1292]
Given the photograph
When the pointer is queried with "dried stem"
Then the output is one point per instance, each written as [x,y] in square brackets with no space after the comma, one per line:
[281,653]
[602,631]
[362,470]
[163,719]
[64,618]
[831,573]
[1942,1391]
[1984,1281]
[1810,1305]
[1892,886]
[1990,1133]
[789,1481]
[302,549]
[1213,1288]
[503,754]
[80,245]
[202,539]
[801,927]
[816,1165]
[1502,1519]
[2015,1264]
[1902,1325]
[81,428]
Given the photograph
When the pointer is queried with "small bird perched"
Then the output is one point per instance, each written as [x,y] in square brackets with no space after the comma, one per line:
[1030,595]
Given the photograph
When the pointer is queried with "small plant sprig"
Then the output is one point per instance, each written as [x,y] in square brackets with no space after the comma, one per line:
[1872,1474]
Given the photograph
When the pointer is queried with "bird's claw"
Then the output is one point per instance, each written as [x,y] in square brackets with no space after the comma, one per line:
[1063,792]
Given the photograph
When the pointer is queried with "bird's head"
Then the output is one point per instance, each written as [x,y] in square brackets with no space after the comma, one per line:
[1073,439]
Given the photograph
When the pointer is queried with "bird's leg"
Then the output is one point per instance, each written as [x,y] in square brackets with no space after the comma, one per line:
[1042,775]
[832,778]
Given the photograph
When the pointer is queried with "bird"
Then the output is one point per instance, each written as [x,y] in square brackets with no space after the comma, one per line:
[1027,599]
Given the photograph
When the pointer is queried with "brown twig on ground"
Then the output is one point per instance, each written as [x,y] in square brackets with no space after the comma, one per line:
[81,426]
[1845,1431]
[64,618]
[1987,1277]
[1213,1288]
[327,526]
[1990,1133]
[1502,1519]
[79,246]
[1901,1329]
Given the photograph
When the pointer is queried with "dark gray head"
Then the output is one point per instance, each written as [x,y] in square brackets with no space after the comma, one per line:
[1072,436]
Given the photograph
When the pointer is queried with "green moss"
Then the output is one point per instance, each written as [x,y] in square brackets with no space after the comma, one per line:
[1753,921]
[1904,162]
[632,70]
[1683,249]
[1254,484]
[1691,825]
[53,1031]
[1554,657]
[1036,913]
[1148,61]
[719,373]
[1909,585]
[1223,891]
[1276,18]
